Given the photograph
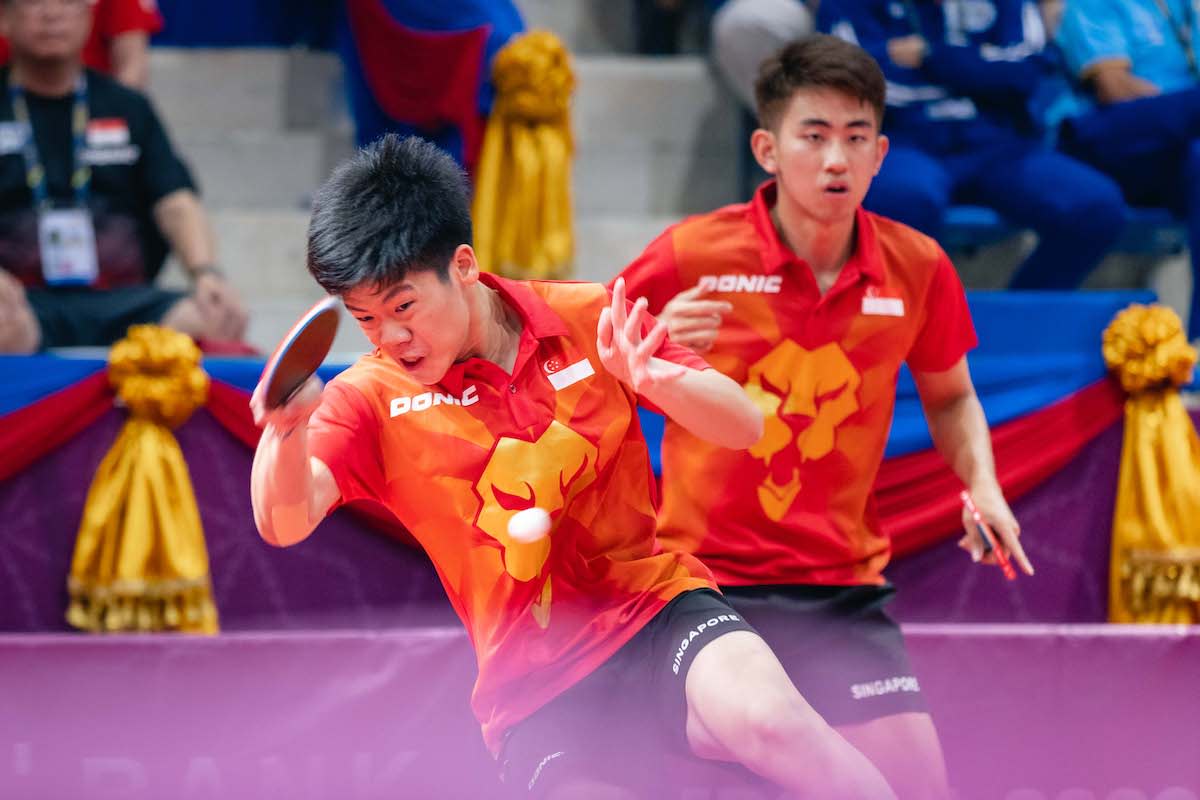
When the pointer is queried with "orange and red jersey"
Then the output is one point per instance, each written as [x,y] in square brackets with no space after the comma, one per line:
[797,507]
[110,19]
[455,461]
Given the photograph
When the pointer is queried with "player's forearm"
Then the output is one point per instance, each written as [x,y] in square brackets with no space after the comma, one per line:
[281,487]
[960,433]
[1112,82]
[184,225]
[712,406]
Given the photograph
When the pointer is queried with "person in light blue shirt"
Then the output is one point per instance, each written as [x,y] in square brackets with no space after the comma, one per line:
[1136,66]
[960,78]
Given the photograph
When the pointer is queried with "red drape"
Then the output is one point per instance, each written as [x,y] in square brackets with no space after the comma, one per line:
[917,494]
[428,79]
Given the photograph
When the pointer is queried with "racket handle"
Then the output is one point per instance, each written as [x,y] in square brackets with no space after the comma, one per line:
[989,538]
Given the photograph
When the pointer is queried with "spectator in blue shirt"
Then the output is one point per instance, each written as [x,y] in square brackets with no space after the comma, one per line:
[960,79]
[1137,112]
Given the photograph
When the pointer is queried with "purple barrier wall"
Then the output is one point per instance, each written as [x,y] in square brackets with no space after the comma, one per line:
[347,575]
[1025,713]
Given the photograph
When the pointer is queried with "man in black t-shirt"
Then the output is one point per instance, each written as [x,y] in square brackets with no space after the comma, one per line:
[92,198]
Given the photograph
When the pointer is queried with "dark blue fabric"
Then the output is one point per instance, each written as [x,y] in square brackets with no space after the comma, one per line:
[247,23]
[370,120]
[1151,146]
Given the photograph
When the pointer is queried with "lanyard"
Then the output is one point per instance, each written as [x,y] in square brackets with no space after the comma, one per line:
[35,172]
[1183,31]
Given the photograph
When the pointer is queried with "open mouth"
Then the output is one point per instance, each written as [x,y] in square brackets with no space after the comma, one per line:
[411,363]
[837,188]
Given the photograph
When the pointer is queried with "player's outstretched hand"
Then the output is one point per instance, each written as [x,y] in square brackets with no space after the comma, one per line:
[999,517]
[625,352]
[292,414]
[692,321]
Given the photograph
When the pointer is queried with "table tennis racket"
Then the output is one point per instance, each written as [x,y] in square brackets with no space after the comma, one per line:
[990,544]
[300,352]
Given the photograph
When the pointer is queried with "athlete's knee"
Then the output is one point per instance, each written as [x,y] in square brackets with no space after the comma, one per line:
[775,724]
[1093,206]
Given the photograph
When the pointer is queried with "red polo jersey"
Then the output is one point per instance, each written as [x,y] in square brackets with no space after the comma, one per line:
[455,461]
[797,507]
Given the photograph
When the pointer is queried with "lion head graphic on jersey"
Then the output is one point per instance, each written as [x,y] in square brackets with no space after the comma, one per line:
[804,396]
[546,473]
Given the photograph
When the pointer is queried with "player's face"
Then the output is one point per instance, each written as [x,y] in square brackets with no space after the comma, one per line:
[423,323]
[824,153]
[48,29]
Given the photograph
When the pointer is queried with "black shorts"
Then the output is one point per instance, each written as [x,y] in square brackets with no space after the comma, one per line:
[84,317]
[616,724]
[840,648]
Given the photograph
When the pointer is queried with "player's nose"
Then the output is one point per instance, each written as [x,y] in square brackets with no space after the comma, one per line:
[394,333]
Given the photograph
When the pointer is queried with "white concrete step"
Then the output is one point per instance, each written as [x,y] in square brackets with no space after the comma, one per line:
[219,89]
[586,26]
[254,168]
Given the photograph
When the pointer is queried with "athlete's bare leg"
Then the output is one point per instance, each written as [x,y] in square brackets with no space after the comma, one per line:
[742,707]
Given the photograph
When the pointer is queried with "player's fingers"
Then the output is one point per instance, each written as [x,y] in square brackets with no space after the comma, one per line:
[604,333]
[973,546]
[702,308]
[707,323]
[654,340]
[632,330]
[688,295]
[1011,541]
[618,305]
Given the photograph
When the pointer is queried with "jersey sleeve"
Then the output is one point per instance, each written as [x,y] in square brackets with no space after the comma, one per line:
[946,333]
[1090,33]
[115,17]
[344,434]
[654,274]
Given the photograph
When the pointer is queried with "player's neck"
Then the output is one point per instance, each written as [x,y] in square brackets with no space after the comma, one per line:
[499,329]
[825,246]
[50,78]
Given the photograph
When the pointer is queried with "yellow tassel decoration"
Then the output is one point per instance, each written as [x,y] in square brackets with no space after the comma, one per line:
[522,206]
[1155,570]
[140,560]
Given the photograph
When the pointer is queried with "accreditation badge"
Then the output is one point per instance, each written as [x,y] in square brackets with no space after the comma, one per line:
[67,240]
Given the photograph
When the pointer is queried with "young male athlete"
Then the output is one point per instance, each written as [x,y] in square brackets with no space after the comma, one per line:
[484,397]
[812,304]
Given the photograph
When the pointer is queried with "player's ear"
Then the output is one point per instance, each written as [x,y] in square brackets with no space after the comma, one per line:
[882,143]
[464,264]
[762,144]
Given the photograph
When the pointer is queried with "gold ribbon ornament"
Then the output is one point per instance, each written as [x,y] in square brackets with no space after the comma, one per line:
[522,206]
[140,560]
[1155,570]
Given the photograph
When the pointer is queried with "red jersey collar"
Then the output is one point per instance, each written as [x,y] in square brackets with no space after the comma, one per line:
[777,256]
[538,321]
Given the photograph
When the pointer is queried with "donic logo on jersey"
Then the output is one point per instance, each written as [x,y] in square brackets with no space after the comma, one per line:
[754,284]
[420,402]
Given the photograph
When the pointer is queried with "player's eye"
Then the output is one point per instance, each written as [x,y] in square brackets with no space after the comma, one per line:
[405,306]
[814,137]
[365,318]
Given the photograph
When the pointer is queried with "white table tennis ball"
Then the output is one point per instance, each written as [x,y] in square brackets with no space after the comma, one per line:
[529,525]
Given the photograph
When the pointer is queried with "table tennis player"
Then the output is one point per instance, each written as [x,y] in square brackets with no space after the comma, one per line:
[596,648]
[813,304]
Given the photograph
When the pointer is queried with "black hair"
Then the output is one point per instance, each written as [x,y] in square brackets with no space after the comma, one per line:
[399,204]
[817,61]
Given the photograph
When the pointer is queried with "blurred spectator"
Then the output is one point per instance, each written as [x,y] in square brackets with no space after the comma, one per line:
[1137,114]
[960,79]
[89,188]
[119,44]
[746,32]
